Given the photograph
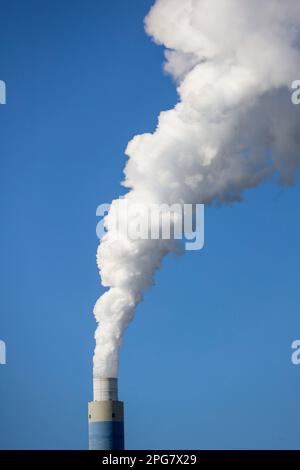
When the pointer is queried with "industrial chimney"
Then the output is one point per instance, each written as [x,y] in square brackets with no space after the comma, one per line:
[106,416]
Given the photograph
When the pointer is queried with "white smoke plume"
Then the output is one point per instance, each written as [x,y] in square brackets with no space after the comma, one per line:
[233,127]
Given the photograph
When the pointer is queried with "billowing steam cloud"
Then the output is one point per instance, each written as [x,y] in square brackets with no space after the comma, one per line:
[233,127]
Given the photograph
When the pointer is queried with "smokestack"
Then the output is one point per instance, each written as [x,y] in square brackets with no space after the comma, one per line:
[106,416]
[233,127]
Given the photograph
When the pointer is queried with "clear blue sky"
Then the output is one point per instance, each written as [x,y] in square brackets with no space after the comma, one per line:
[206,363]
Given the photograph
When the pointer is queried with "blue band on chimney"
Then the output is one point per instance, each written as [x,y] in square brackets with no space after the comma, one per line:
[106,435]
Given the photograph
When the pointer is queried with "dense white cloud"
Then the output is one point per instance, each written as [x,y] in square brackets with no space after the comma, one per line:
[233,127]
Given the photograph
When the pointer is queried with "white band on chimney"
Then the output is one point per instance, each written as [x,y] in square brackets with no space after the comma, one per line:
[105,389]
